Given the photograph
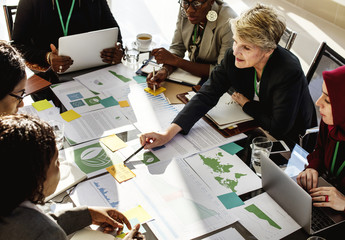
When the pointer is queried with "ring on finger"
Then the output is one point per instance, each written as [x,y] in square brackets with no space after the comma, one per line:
[326,198]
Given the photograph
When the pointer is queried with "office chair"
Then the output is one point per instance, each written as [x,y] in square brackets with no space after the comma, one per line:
[325,59]
[10,12]
[288,38]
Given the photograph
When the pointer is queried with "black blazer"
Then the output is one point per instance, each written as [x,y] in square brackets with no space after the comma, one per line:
[38,24]
[285,108]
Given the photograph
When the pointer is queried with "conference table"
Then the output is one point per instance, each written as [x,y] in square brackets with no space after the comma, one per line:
[244,155]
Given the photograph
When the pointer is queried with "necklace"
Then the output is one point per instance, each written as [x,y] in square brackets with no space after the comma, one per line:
[65,28]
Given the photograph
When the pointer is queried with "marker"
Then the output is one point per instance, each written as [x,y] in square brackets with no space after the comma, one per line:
[154,86]
[141,148]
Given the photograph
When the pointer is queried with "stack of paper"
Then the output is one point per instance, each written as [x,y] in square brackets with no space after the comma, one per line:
[227,113]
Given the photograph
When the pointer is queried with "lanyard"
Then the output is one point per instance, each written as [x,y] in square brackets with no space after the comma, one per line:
[196,27]
[65,28]
[255,88]
[334,159]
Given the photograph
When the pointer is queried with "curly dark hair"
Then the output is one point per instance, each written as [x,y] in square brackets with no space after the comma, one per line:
[12,68]
[27,146]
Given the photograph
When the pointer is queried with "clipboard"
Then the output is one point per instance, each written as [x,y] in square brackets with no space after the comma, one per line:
[241,127]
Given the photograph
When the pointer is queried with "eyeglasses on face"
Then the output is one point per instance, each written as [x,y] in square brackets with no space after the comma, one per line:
[19,97]
[195,4]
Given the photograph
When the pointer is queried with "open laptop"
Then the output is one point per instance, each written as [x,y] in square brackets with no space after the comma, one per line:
[295,200]
[85,48]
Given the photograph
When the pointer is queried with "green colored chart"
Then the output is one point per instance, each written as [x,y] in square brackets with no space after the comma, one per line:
[91,158]
[119,76]
[260,214]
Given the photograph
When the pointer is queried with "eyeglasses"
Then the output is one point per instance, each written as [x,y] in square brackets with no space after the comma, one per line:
[195,4]
[19,97]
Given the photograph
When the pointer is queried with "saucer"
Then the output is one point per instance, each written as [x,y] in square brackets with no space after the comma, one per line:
[147,49]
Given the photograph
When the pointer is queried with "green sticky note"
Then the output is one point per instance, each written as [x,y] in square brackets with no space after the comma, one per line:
[109,102]
[231,148]
[139,79]
[230,200]
[42,105]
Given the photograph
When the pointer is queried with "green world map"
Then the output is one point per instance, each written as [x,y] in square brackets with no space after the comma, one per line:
[215,164]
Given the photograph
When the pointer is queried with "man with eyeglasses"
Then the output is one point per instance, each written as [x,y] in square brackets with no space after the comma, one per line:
[202,29]
[13,79]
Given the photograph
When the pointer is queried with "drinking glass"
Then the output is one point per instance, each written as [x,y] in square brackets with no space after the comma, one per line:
[260,145]
[58,128]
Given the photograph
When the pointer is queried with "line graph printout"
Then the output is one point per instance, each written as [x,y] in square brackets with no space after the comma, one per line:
[181,204]
[224,172]
[265,219]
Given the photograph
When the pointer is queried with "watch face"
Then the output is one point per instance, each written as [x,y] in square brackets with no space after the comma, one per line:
[211,16]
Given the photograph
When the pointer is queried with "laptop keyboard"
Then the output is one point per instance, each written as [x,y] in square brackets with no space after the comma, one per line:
[320,220]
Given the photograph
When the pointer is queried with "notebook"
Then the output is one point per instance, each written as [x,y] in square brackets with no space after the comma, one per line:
[295,200]
[85,48]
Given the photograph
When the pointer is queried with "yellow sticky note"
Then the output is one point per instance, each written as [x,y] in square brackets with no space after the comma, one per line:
[158,91]
[70,115]
[139,213]
[120,172]
[113,142]
[124,104]
[42,105]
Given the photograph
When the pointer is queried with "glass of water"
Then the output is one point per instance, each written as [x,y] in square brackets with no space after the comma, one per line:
[260,145]
[58,128]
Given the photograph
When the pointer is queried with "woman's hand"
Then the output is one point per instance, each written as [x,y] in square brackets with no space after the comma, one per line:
[154,139]
[157,80]
[109,219]
[308,179]
[134,234]
[239,98]
[59,64]
[328,197]
[112,55]
[164,56]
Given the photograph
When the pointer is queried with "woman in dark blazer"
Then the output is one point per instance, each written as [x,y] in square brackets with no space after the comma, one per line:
[268,80]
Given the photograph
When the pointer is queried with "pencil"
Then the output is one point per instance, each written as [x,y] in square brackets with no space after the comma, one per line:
[141,148]
[154,86]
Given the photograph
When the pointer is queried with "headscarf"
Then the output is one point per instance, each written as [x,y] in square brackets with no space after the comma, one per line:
[335,83]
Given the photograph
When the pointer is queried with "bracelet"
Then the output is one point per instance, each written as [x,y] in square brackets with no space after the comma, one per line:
[48,57]
[166,69]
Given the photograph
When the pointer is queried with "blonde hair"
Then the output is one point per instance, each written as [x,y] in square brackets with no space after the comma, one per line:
[260,25]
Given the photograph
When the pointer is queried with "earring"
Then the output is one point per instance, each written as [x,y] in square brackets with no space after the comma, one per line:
[212,16]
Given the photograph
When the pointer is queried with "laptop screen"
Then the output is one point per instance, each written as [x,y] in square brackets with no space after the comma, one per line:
[297,162]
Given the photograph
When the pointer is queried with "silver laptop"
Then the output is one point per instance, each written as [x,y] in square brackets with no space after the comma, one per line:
[295,200]
[85,48]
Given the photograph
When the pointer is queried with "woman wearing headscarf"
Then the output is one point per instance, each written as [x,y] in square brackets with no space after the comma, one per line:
[268,80]
[328,157]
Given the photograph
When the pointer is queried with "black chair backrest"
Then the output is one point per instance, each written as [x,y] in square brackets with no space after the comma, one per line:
[325,59]
[10,12]
[288,38]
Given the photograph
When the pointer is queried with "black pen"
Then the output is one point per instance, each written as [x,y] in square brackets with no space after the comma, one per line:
[141,148]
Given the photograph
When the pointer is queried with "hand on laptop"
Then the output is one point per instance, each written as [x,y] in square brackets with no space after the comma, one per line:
[328,197]
[308,179]
[58,63]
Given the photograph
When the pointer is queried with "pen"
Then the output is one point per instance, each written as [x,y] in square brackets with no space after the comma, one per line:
[141,148]
[154,86]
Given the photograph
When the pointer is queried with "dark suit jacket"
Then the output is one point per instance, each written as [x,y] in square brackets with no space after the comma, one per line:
[285,108]
[38,24]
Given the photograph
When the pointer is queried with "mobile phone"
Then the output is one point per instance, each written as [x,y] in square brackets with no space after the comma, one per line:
[279,146]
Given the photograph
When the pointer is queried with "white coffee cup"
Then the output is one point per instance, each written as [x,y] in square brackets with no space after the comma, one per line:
[144,41]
